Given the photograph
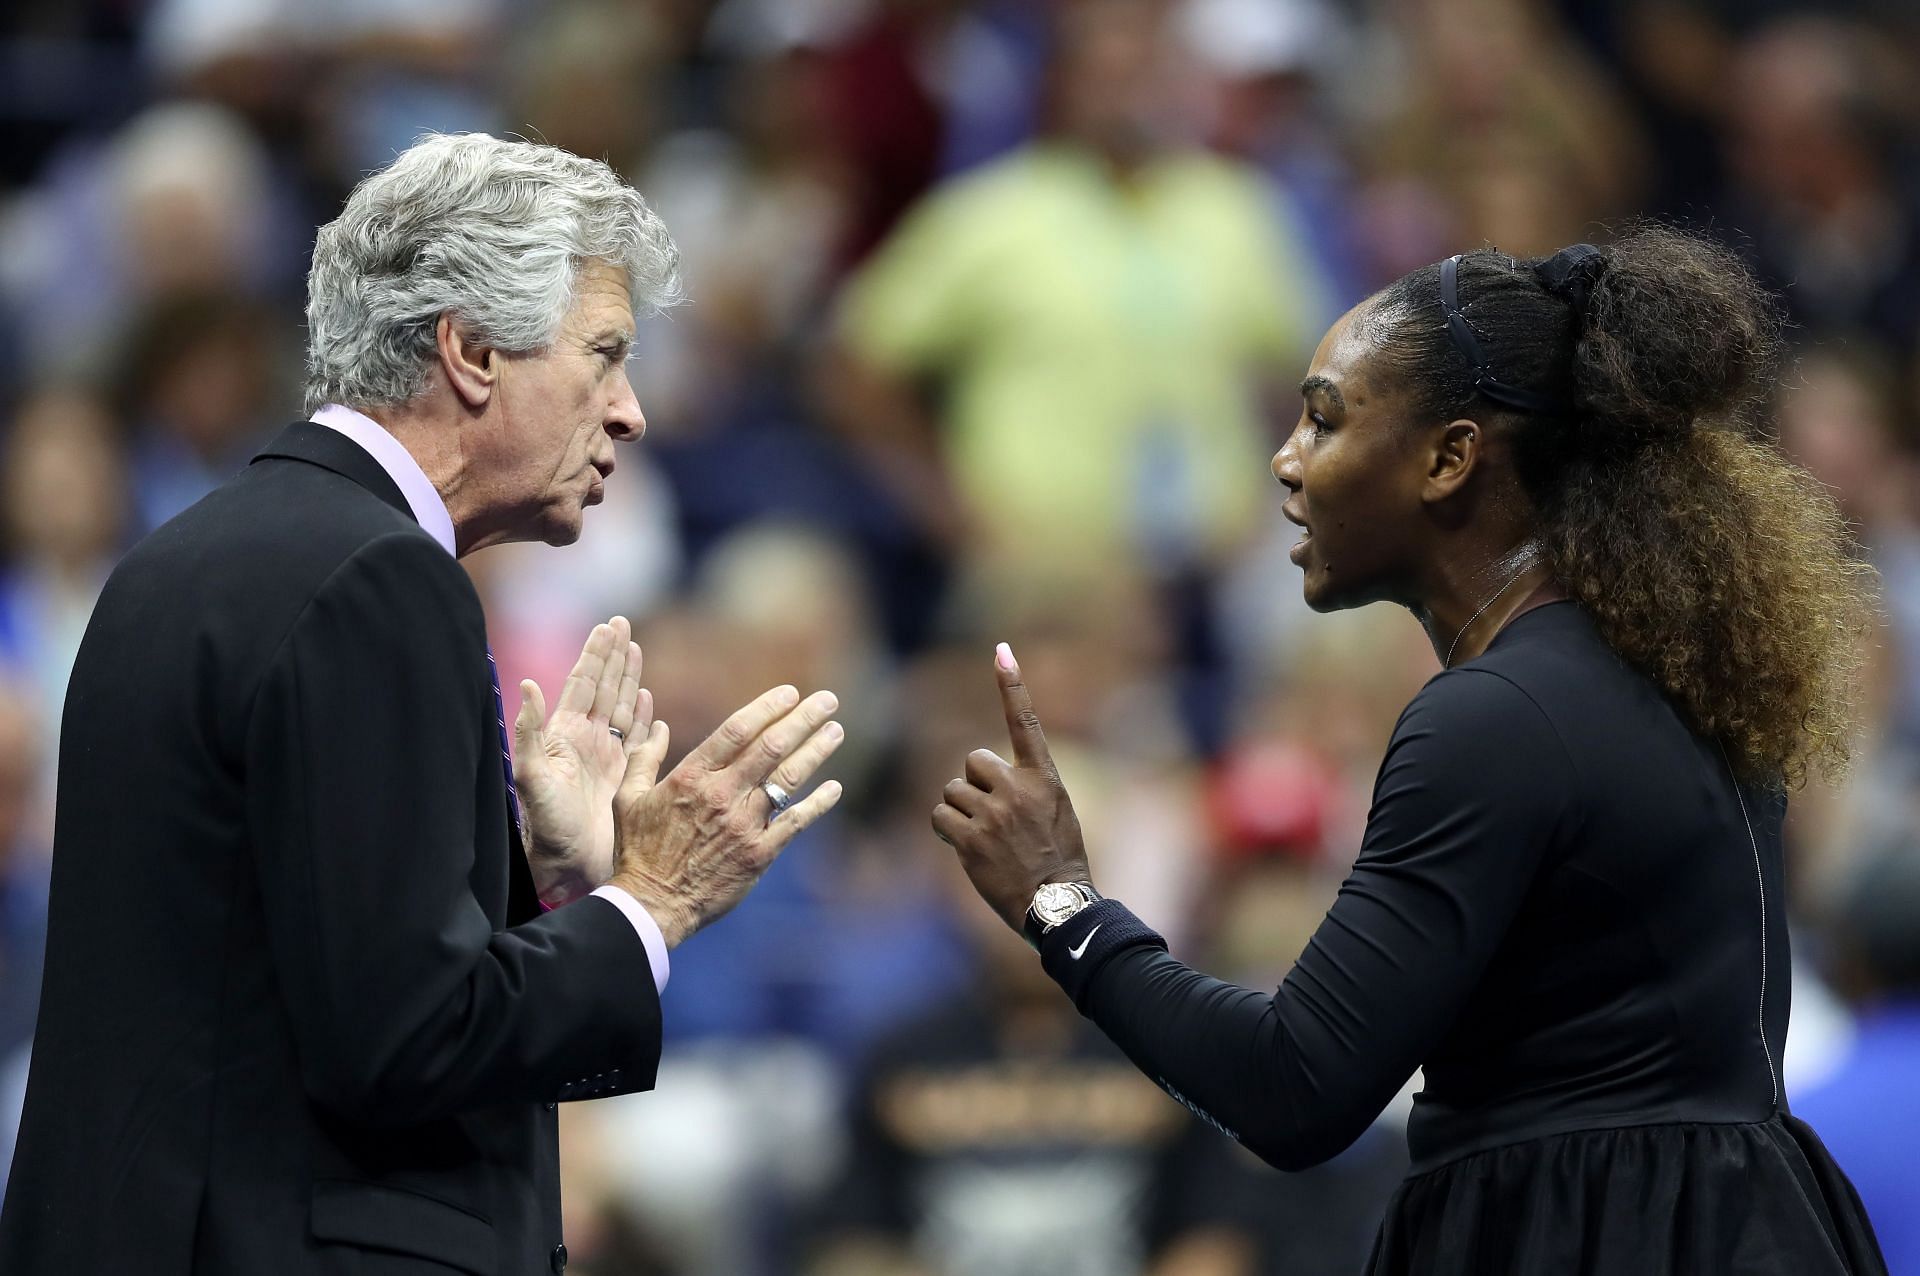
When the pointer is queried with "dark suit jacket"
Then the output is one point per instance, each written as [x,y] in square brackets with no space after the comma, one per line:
[301,1012]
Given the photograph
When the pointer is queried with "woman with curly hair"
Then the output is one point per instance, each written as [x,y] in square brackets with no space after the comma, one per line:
[1568,906]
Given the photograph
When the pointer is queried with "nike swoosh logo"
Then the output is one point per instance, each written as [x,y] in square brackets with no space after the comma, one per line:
[1079,950]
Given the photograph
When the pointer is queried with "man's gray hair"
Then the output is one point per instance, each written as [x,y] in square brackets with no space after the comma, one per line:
[490,231]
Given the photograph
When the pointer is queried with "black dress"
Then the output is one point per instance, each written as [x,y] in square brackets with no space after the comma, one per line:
[1570,916]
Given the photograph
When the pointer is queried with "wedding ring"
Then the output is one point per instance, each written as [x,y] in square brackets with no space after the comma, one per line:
[617,734]
[780,798]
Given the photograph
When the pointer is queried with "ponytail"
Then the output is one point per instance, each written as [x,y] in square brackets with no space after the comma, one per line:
[1708,560]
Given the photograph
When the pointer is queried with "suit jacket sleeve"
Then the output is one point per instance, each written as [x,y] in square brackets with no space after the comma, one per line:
[407,1005]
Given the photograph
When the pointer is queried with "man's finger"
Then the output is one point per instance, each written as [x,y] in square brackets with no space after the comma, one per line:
[576,695]
[798,816]
[606,692]
[743,728]
[528,727]
[642,720]
[626,706]
[793,774]
[1023,724]
[644,757]
[758,760]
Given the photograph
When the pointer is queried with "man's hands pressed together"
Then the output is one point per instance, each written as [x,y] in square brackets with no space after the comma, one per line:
[690,846]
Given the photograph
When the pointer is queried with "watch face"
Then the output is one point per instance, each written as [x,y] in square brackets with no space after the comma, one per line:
[1055,902]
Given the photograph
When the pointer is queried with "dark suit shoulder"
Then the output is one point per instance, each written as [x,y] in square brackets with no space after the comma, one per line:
[399,582]
[290,520]
[212,594]
[257,548]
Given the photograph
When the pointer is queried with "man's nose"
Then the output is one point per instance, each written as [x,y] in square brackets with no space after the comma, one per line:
[625,421]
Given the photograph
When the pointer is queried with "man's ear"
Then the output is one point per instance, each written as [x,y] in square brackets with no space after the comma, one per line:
[1457,449]
[470,366]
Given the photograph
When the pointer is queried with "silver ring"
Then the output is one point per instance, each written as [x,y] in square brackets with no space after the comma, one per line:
[780,798]
[617,734]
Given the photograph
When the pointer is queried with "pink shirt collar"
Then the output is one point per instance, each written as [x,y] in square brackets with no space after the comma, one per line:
[428,509]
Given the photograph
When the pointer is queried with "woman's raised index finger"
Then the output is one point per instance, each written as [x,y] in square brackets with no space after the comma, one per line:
[1023,724]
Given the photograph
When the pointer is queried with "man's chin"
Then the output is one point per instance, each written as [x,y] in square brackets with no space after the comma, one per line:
[563,530]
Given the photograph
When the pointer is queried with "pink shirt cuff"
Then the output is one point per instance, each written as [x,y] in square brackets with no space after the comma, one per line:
[645,927]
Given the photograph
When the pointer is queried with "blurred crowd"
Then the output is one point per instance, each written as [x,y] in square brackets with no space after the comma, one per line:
[998,309]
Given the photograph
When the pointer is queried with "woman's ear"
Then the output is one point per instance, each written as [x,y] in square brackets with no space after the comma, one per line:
[1457,450]
[470,366]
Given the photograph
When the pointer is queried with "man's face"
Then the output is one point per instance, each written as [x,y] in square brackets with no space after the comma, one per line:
[1115,86]
[561,411]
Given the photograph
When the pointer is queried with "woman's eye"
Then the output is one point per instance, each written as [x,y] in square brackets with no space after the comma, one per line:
[1320,425]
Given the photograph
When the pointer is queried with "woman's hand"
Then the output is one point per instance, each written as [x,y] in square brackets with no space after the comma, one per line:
[568,769]
[1012,823]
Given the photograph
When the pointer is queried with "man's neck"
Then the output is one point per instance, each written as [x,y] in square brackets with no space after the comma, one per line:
[435,446]
[427,442]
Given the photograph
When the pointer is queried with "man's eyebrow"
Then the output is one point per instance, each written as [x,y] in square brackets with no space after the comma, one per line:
[1327,387]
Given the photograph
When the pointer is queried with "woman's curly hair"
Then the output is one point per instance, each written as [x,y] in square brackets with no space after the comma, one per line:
[1708,559]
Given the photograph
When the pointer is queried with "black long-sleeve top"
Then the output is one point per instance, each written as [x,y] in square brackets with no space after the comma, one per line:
[1564,910]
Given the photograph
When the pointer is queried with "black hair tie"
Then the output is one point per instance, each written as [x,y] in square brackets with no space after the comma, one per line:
[1570,274]
[1464,338]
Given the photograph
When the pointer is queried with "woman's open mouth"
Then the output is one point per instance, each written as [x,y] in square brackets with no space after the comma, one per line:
[1299,551]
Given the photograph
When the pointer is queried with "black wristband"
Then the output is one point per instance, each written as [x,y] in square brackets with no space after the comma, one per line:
[1073,952]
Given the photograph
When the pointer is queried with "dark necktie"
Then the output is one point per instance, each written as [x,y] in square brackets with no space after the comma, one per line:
[506,754]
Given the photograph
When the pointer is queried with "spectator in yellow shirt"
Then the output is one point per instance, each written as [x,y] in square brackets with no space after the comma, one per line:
[1057,358]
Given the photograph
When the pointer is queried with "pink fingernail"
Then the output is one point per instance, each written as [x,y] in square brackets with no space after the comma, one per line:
[1003,656]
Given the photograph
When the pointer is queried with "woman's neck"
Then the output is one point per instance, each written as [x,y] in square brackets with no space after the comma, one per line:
[1463,615]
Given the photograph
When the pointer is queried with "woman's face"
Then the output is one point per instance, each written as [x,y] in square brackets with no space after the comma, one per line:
[1355,475]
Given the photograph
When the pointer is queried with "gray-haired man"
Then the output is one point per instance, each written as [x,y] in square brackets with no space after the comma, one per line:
[318,968]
